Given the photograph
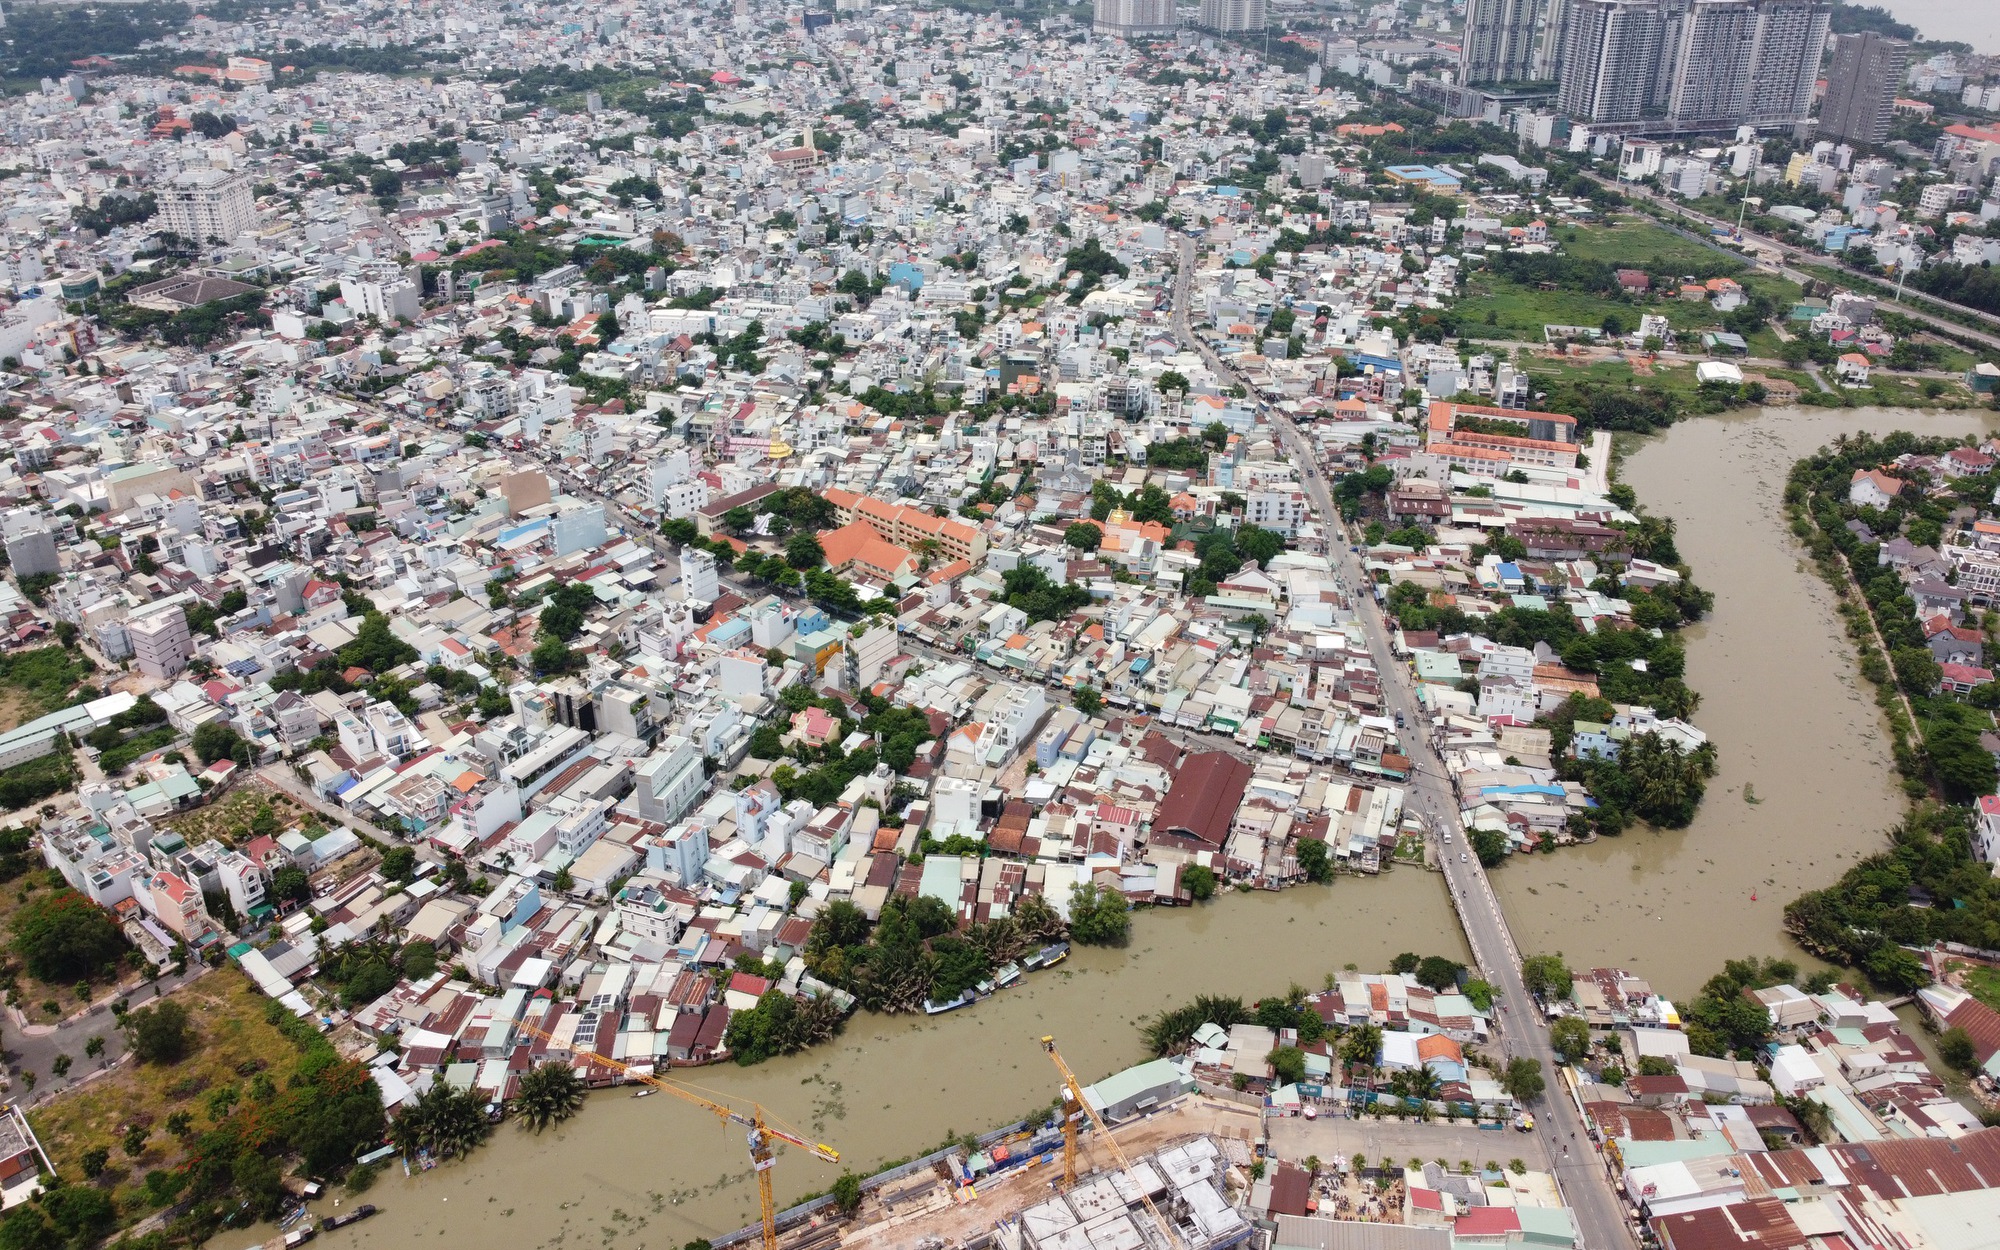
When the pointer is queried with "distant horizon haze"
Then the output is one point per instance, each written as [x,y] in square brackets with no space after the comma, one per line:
[1964,21]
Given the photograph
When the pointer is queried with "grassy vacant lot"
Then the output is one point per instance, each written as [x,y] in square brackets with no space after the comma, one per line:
[39,680]
[1678,378]
[1891,391]
[1982,983]
[234,1045]
[1634,241]
[230,821]
[1498,308]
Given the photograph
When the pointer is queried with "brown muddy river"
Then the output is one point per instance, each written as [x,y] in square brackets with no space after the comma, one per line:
[1804,783]
[655,1172]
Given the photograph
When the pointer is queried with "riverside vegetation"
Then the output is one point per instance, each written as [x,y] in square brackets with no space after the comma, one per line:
[1883,904]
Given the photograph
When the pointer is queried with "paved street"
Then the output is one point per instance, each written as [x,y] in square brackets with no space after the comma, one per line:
[1401,1140]
[34,1047]
[1600,1215]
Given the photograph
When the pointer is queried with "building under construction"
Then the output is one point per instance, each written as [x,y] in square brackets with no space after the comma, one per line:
[1124,1210]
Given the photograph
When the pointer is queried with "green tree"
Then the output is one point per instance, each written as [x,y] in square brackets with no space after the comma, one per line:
[1315,861]
[1199,881]
[1523,1079]
[94,1162]
[158,1034]
[551,657]
[399,863]
[1546,975]
[217,741]
[847,1193]
[444,1121]
[1361,1046]
[1256,543]
[291,885]
[1570,1036]
[1288,1064]
[1490,845]
[1954,1046]
[1438,973]
[548,1093]
[63,937]
[1088,700]
[803,551]
[1098,917]
[1084,536]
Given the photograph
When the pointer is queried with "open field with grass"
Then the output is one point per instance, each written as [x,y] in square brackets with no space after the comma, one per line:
[235,1044]
[1637,242]
[1677,377]
[1983,984]
[1500,308]
[241,815]
[38,681]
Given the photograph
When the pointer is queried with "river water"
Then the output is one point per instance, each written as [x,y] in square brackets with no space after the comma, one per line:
[655,1172]
[1795,726]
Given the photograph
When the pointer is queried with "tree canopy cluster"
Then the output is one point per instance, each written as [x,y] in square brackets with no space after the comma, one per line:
[64,938]
[1948,751]
[781,1025]
[1884,903]
[916,951]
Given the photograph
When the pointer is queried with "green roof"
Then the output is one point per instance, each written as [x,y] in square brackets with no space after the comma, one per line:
[1640,1154]
[1132,1082]
[1551,1226]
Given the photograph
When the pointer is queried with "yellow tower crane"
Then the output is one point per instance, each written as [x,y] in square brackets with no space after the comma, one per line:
[765,1132]
[1073,1100]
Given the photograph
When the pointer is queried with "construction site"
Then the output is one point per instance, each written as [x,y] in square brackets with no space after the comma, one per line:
[1171,1193]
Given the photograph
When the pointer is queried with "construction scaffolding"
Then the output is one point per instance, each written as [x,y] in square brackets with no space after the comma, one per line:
[1167,1201]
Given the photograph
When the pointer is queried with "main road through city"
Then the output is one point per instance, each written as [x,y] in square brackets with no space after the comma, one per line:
[1601,1223]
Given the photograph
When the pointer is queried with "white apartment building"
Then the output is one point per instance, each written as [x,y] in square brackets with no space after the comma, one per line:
[1227,15]
[204,204]
[1279,510]
[160,642]
[383,291]
[669,781]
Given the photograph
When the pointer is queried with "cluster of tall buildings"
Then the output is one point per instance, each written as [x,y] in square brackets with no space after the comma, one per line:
[1705,63]
[1131,18]
[1679,64]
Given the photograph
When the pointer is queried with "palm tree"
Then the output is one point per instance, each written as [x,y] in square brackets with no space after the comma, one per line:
[1423,1084]
[548,1094]
[1359,1048]
[444,1121]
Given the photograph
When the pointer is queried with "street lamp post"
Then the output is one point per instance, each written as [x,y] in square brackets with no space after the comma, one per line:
[1743,208]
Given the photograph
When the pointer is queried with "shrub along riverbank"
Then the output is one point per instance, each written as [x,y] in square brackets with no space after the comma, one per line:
[1926,886]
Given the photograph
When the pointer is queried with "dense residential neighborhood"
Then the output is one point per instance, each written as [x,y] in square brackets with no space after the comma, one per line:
[548,546]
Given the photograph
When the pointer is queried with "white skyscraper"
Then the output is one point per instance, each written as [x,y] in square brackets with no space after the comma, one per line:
[1694,64]
[1131,18]
[1499,44]
[1230,15]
